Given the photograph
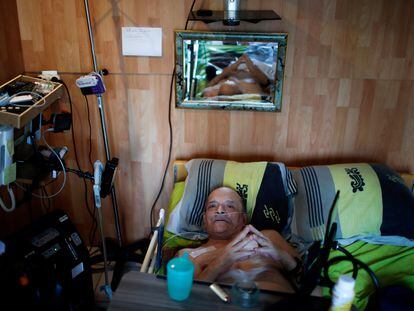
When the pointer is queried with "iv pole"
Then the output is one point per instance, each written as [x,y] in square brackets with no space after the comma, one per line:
[103,124]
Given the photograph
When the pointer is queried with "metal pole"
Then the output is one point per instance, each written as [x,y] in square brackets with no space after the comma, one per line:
[105,254]
[103,124]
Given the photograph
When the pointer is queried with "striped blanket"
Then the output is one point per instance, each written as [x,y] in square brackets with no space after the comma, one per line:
[265,188]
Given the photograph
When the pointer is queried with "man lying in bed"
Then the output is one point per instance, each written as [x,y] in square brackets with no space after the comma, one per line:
[241,77]
[237,251]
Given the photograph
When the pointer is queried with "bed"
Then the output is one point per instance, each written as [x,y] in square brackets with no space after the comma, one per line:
[383,198]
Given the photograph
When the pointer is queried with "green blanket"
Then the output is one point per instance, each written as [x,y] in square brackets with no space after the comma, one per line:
[391,264]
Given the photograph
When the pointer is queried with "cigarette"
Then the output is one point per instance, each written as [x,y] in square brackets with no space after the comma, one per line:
[219,292]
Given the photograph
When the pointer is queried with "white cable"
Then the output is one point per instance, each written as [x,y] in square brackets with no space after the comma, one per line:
[12,199]
[63,170]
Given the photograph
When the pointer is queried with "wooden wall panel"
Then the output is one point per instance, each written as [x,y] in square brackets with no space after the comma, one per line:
[347,95]
[11,65]
[11,58]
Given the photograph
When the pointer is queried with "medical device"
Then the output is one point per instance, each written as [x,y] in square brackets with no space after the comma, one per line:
[7,167]
[91,84]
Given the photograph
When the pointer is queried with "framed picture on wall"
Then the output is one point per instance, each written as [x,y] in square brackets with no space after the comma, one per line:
[228,70]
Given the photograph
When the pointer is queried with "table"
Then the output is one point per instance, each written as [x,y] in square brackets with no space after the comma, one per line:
[142,291]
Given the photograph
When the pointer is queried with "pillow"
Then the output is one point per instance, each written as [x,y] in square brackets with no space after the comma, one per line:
[373,201]
[171,240]
[265,188]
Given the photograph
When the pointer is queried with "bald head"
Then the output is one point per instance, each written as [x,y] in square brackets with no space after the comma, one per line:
[224,213]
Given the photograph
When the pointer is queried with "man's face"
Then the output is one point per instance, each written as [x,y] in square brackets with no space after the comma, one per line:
[224,216]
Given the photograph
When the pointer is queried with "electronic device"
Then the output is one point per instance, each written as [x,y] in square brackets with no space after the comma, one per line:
[60,121]
[46,267]
[18,86]
[21,99]
[108,176]
[232,5]
[318,256]
[4,98]
[24,97]
[91,84]
[231,12]
[7,167]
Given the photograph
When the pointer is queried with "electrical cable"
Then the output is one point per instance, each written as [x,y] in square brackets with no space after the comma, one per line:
[44,192]
[91,213]
[356,264]
[188,15]
[63,170]
[12,200]
[90,131]
[170,133]
[92,233]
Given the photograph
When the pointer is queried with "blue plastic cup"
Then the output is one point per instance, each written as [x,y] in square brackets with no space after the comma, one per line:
[180,273]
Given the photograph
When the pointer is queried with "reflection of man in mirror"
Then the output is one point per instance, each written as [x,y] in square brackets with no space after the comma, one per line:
[241,77]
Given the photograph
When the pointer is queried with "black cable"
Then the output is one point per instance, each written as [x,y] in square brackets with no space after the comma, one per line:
[80,173]
[46,195]
[92,233]
[356,264]
[188,16]
[91,214]
[362,264]
[71,129]
[170,132]
[90,131]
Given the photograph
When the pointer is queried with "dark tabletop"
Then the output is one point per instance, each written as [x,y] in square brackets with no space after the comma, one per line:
[142,291]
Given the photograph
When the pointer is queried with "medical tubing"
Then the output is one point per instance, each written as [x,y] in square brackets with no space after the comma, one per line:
[356,263]
[63,170]
[12,199]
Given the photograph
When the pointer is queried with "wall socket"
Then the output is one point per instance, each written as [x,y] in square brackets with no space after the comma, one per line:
[49,74]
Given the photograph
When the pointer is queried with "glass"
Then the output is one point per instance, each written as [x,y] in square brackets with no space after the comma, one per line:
[180,272]
[245,293]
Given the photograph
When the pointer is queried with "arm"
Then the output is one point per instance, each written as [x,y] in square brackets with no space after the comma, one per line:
[228,71]
[258,75]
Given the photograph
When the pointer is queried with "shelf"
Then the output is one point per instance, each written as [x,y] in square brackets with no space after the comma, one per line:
[20,116]
[232,18]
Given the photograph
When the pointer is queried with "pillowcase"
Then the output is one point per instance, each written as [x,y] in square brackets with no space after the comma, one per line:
[265,188]
[171,240]
[373,201]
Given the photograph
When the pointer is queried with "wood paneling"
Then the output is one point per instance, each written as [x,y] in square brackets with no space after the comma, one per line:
[11,65]
[347,95]
[11,58]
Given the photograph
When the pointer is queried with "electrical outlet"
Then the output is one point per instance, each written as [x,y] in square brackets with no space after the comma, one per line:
[49,74]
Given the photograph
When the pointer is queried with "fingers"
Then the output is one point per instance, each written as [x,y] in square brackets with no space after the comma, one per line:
[242,255]
[242,244]
[255,231]
[243,57]
[240,236]
[263,241]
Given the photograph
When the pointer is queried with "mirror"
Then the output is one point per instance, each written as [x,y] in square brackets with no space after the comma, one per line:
[234,71]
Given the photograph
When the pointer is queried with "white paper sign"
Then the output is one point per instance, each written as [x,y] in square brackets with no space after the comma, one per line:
[141,41]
